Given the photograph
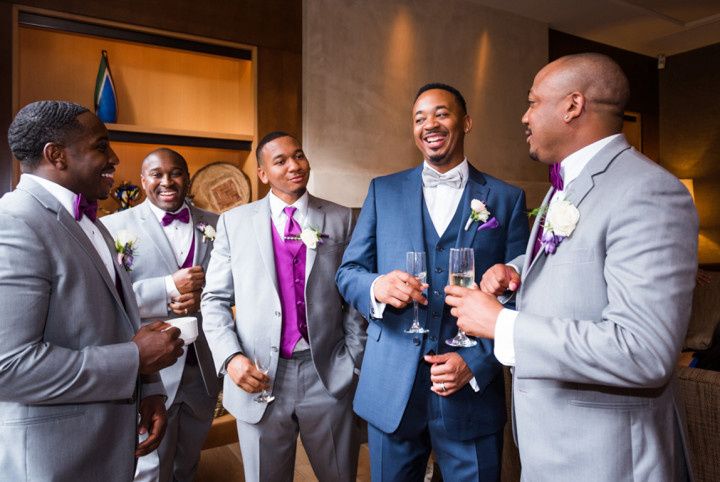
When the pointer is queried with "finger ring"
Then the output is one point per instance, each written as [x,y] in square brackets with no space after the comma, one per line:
[442,387]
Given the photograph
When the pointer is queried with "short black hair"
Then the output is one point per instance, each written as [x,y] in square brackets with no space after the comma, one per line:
[41,122]
[170,152]
[269,137]
[448,88]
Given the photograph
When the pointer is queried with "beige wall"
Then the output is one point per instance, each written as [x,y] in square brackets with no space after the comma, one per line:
[363,61]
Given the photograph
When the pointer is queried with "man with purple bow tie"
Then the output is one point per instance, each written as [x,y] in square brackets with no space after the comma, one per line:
[76,367]
[603,294]
[275,261]
[171,248]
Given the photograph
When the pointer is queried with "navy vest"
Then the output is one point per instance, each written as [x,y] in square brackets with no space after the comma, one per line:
[438,319]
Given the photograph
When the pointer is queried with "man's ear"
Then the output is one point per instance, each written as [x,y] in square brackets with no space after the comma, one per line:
[574,107]
[467,123]
[54,153]
[262,175]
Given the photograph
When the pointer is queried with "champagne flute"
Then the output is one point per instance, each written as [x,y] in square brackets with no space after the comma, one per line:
[415,265]
[461,273]
[262,359]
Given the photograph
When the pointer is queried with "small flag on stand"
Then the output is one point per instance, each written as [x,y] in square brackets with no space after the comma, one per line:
[105,100]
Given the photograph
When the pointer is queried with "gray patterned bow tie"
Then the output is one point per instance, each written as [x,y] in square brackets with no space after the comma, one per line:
[432,178]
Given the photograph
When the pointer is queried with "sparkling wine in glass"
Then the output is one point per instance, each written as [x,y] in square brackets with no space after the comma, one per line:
[262,360]
[461,273]
[415,265]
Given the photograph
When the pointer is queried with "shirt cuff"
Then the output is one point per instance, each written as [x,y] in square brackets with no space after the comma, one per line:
[474,385]
[504,337]
[377,308]
[170,288]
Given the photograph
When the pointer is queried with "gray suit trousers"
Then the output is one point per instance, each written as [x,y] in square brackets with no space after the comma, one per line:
[302,405]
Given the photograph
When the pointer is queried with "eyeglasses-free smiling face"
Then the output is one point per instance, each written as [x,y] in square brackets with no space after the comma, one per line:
[439,127]
[166,180]
[285,167]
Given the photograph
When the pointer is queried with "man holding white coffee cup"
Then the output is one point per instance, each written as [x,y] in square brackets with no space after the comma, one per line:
[165,245]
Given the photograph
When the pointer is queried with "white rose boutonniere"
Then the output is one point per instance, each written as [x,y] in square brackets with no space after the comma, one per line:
[479,212]
[560,222]
[207,231]
[125,248]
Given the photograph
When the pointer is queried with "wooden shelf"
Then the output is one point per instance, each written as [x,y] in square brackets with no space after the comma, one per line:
[178,137]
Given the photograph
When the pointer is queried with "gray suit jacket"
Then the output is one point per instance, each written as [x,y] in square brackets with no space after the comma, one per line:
[154,260]
[242,274]
[600,328]
[68,370]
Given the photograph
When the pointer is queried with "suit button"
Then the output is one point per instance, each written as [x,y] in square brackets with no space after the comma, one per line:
[440,248]
[436,293]
[277,313]
[416,341]
[296,261]
[435,314]
[297,281]
[438,270]
[299,303]
[433,338]
[274,349]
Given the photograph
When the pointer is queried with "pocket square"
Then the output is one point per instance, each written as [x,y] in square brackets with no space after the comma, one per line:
[491,223]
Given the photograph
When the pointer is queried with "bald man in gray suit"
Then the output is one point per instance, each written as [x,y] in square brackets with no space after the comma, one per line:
[75,366]
[604,298]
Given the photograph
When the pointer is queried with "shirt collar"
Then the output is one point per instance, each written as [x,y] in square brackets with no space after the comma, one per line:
[64,195]
[572,165]
[159,213]
[277,205]
[461,168]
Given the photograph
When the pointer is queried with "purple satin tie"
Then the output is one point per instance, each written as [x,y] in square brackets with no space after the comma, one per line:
[183,216]
[555,177]
[83,207]
[292,228]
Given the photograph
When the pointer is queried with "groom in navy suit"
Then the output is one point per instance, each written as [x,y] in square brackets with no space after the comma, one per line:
[416,392]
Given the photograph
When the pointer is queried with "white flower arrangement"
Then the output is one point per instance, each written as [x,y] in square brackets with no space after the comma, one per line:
[207,231]
[310,237]
[479,212]
[125,248]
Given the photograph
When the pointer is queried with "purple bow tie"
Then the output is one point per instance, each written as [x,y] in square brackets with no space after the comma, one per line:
[183,216]
[83,207]
[555,177]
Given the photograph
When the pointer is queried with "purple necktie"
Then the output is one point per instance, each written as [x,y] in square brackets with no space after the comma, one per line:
[183,216]
[83,207]
[292,228]
[555,177]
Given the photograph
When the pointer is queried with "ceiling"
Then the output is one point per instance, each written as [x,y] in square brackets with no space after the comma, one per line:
[650,27]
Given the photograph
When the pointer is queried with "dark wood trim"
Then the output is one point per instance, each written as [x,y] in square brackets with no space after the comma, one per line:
[29,19]
[177,140]
[7,171]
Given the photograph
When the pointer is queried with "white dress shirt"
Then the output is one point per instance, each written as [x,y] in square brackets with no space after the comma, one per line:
[570,169]
[279,220]
[66,197]
[180,237]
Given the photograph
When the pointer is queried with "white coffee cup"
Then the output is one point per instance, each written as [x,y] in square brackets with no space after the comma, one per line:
[188,327]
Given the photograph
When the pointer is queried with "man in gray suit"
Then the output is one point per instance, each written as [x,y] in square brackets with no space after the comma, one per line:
[170,254]
[275,261]
[604,298]
[72,351]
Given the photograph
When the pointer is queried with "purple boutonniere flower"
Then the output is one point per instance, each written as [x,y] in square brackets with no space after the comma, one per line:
[491,223]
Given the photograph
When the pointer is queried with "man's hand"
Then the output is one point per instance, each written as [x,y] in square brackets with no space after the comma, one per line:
[244,374]
[159,347]
[186,303]
[448,374]
[398,289]
[189,279]
[153,420]
[476,312]
[500,278]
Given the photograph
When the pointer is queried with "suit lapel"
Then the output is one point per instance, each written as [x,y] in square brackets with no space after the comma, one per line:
[315,219]
[201,244]
[130,309]
[262,225]
[153,230]
[475,189]
[412,209]
[529,259]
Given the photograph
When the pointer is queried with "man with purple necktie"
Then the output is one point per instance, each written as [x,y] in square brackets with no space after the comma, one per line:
[275,260]
[171,248]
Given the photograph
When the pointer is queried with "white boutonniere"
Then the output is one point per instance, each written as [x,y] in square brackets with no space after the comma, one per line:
[125,248]
[207,231]
[560,222]
[479,212]
[310,237]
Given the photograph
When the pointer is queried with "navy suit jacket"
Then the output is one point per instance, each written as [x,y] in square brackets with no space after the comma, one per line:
[390,224]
